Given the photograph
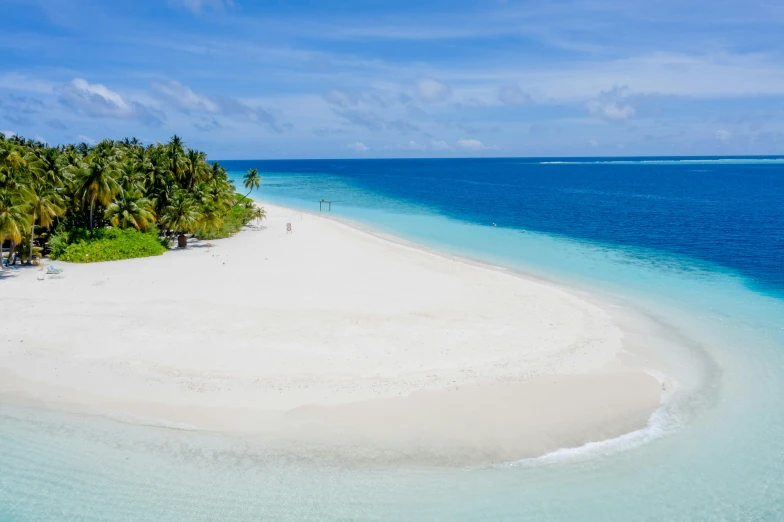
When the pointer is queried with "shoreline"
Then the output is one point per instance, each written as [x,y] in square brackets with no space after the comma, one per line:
[336,414]
[683,365]
[684,369]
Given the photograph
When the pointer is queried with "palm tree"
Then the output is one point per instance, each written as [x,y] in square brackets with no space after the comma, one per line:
[218,172]
[259,214]
[131,210]
[96,183]
[211,216]
[43,205]
[159,177]
[107,150]
[175,153]
[251,180]
[130,176]
[196,167]
[13,220]
[181,216]
[48,165]
[83,148]
[12,160]
[70,156]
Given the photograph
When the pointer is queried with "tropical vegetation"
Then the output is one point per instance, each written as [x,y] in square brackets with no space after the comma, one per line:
[106,244]
[114,199]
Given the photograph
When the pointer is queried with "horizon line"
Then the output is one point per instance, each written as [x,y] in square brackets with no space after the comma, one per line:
[657,157]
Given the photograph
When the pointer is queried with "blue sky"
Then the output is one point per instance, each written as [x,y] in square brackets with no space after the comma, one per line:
[351,78]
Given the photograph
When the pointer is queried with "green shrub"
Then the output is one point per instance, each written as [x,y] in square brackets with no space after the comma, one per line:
[105,244]
[237,217]
[58,243]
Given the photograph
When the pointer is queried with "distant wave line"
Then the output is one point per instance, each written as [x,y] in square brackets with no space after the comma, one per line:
[726,161]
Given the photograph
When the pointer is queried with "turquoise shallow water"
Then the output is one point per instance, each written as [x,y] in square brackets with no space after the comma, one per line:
[716,453]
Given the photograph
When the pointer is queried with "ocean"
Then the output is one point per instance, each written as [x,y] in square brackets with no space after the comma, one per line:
[697,244]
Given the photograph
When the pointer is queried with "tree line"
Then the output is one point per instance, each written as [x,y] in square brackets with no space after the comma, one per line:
[121,183]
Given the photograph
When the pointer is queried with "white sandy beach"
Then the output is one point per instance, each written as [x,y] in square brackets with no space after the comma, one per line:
[328,340]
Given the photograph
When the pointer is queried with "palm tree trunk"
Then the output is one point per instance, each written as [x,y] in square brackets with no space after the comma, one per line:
[32,237]
[92,206]
[11,252]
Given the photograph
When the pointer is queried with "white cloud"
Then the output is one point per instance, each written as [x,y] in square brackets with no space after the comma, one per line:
[184,98]
[430,90]
[613,105]
[358,146]
[198,6]
[7,133]
[85,139]
[472,144]
[433,145]
[723,135]
[97,100]
[513,95]
[612,111]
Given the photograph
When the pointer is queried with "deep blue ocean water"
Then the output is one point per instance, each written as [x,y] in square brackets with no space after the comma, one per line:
[695,243]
